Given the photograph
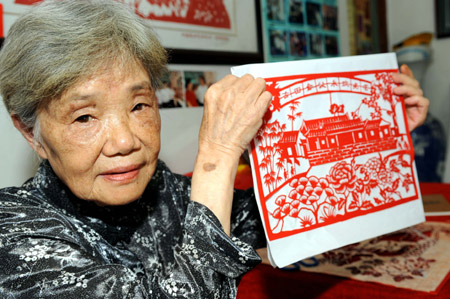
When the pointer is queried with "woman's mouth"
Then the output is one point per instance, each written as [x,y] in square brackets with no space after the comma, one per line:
[124,174]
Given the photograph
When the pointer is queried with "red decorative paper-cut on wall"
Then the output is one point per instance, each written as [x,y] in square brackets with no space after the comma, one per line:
[350,155]
[209,13]
[1,21]
[27,2]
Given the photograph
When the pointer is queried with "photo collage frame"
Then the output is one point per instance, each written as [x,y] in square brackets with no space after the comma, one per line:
[300,29]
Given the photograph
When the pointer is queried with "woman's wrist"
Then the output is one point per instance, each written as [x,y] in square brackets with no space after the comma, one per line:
[213,181]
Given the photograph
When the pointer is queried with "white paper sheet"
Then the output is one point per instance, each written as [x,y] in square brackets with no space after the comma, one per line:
[333,163]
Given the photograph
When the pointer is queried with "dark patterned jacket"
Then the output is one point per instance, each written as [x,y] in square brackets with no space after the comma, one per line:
[54,245]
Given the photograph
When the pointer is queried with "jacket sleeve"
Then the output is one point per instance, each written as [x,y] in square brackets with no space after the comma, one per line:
[245,219]
[207,258]
[197,259]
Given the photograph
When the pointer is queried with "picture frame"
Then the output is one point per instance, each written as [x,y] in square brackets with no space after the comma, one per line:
[442,8]
[218,55]
[226,32]
[367,26]
[300,29]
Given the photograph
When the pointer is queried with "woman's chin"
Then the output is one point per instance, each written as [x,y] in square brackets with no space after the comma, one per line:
[114,194]
[117,199]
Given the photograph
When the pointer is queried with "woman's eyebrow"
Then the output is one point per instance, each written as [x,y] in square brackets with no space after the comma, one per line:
[77,100]
[141,85]
[78,97]
[82,97]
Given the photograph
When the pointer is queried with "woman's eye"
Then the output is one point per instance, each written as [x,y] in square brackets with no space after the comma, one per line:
[139,106]
[84,119]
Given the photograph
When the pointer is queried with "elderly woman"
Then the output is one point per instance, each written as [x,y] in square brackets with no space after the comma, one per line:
[103,217]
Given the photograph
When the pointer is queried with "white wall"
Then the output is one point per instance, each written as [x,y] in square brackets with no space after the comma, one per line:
[17,160]
[408,17]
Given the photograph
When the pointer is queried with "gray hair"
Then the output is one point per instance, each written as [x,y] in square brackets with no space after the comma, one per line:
[59,43]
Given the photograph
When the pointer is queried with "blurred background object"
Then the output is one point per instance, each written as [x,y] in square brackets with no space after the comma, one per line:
[415,51]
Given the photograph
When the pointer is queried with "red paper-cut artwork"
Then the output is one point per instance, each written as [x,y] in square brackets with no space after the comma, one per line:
[209,13]
[369,158]
[1,21]
[27,2]
[416,258]
[333,159]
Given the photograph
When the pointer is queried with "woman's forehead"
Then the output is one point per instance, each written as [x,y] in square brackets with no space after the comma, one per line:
[113,76]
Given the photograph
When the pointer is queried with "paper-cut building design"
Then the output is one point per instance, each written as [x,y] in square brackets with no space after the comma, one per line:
[337,137]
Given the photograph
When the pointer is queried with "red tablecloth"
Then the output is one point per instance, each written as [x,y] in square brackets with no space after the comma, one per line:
[267,282]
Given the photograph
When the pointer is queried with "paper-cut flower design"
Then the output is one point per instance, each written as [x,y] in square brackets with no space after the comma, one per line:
[342,177]
[385,177]
[306,221]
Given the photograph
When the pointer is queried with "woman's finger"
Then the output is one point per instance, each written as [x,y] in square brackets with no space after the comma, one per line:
[408,90]
[255,89]
[243,83]
[404,69]
[264,101]
[405,80]
[417,101]
[227,81]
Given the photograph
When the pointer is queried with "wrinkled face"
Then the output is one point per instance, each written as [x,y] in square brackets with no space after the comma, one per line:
[102,137]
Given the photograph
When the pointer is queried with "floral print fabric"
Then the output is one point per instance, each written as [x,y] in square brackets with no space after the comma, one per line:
[54,245]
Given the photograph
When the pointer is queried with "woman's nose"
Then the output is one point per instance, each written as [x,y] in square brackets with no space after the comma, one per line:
[121,140]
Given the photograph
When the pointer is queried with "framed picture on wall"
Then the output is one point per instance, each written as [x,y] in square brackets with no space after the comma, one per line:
[367,26]
[442,18]
[17,7]
[206,31]
[300,29]
[195,31]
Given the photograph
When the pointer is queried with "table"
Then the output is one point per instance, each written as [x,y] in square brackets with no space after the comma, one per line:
[264,281]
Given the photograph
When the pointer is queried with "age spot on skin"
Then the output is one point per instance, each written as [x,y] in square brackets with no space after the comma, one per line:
[209,167]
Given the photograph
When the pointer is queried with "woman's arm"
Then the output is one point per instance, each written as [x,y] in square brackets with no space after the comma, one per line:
[233,112]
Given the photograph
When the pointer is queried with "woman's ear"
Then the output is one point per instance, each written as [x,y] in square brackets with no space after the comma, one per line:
[28,134]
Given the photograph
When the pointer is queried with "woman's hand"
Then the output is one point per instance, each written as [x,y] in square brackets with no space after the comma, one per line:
[416,104]
[233,112]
